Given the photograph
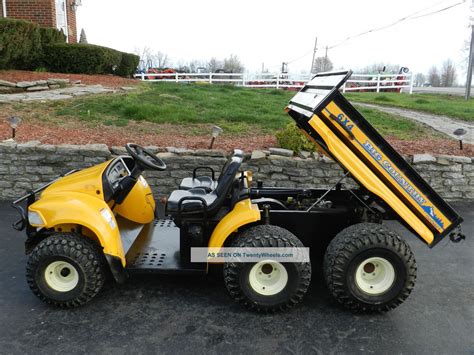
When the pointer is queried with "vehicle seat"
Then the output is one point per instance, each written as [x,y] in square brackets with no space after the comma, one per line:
[208,183]
[197,200]
[204,182]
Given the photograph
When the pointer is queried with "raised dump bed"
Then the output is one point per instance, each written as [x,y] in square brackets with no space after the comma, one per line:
[338,129]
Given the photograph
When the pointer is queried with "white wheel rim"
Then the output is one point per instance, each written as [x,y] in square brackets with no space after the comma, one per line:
[375,276]
[61,276]
[268,277]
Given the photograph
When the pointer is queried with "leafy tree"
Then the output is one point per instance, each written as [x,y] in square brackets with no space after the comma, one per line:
[322,64]
[195,64]
[233,64]
[214,64]
[420,79]
[448,73]
[433,77]
[156,59]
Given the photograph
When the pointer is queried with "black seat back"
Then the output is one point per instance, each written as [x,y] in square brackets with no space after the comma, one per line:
[228,175]
[216,198]
[238,153]
[225,184]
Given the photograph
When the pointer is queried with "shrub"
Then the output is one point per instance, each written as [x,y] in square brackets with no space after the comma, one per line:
[128,65]
[26,45]
[51,36]
[292,138]
[20,44]
[81,58]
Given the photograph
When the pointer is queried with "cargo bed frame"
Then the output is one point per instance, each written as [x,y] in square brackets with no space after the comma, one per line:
[342,133]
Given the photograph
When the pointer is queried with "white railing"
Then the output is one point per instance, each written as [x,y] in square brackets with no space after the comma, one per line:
[357,82]
[379,82]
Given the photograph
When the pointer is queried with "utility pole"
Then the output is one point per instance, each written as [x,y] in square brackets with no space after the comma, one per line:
[314,55]
[469,64]
[326,59]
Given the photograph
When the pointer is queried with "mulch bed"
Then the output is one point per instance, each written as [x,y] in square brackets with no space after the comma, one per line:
[168,135]
[105,80]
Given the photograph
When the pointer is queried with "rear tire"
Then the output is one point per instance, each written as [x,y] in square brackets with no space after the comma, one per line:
[268,285]
[369,268]
[65,270]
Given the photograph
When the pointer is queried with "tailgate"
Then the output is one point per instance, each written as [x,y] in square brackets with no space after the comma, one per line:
[339,129]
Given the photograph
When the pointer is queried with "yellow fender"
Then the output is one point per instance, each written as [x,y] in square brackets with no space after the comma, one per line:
[81,209]
[244,212]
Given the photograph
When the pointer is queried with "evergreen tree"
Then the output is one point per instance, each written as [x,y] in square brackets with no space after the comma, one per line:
[83,38]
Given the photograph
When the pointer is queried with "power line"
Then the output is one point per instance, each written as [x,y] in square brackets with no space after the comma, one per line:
[296,59]
[405,18]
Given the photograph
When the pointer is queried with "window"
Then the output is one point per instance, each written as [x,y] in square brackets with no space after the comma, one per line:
[61,16]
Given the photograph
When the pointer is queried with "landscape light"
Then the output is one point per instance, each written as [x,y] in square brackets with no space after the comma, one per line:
[14,122]
[460,133]
[216,130]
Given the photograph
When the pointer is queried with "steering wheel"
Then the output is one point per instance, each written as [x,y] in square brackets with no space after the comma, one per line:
[145,158]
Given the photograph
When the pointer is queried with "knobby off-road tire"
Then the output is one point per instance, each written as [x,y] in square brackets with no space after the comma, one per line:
[65,270]
[291,279]
[369,268]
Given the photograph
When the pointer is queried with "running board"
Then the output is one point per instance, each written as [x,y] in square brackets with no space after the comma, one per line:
[157,250]
[129,232]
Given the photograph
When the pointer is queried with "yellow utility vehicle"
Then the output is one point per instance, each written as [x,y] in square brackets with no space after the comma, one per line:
[104,220]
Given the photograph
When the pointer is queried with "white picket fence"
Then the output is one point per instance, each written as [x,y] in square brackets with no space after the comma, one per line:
[379,82]
[357,82]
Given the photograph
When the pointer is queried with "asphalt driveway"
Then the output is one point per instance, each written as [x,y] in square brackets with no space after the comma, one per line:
[151,314]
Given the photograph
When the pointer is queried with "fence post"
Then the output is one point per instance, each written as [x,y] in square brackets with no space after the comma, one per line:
[278,81]
[143,76]
[243,79]
[411,83]
[176,77]
[210,78]
[378,83]
[344,88]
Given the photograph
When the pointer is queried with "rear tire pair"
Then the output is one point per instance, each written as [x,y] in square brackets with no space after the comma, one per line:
[366,268]
[369,268]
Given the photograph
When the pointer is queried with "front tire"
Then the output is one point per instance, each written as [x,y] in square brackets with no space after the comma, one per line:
[369,268]
[267,285]
[65,270]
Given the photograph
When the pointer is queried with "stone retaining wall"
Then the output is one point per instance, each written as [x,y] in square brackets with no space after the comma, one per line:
[28,165]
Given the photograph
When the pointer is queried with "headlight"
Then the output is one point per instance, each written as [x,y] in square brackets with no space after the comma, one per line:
[34,218]
[107,215]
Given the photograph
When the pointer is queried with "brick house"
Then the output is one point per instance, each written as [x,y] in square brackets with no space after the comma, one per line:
[59,14]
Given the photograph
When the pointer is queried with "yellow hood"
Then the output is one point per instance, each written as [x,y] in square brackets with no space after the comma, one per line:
[87,181]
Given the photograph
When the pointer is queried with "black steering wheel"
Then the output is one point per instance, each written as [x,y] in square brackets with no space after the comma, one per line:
[144,158]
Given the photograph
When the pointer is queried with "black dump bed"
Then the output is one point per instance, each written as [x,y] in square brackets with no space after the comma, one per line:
[337,128]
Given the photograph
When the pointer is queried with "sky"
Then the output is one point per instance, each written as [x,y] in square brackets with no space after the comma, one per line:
[273,31]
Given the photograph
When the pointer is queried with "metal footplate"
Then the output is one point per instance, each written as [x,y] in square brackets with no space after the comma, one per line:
[157,249]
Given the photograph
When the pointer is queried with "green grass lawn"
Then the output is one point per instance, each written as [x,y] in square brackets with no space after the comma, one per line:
[194,107]
[236,110]
[448,105]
